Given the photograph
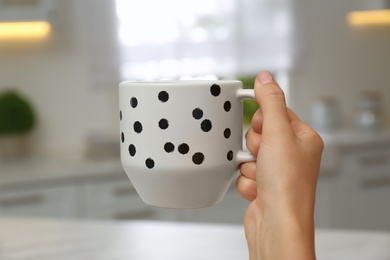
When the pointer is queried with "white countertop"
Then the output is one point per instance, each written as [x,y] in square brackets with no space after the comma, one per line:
[33,239]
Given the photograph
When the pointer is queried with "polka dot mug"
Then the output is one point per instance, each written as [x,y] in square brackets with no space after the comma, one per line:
[181,141]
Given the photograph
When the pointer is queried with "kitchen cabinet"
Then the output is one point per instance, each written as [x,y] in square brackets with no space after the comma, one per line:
[97,190]
[328,212]
[353,190]
[117,199]
[368,207]
[367,201]
[41,202]
[356,193]
[113,199]
[231,210]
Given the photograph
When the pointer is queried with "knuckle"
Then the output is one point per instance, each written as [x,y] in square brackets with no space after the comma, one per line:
[315,139]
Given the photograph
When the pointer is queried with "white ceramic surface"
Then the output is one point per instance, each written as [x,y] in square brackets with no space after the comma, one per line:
[181,141]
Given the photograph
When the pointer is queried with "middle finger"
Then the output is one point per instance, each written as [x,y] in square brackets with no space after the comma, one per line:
[253,140]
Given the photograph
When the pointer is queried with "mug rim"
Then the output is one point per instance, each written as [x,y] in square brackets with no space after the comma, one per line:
[179,82]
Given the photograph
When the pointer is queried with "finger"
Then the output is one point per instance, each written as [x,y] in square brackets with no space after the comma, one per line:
[253,141]
[246,187]
[257,121]
[248,170]
[273,105]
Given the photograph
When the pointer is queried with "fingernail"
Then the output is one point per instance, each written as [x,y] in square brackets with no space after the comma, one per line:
[265,77]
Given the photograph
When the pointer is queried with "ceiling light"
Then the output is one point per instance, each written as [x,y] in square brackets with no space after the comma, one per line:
[369,17]
[24,30]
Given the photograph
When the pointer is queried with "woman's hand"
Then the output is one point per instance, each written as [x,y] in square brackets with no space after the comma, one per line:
[279,223]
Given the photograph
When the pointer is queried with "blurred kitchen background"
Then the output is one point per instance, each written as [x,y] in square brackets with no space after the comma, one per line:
[61,62]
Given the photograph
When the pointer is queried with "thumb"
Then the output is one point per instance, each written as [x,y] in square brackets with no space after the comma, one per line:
[273,105]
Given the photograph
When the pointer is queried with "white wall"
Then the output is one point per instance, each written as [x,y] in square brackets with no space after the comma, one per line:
[340,61]
[55,76]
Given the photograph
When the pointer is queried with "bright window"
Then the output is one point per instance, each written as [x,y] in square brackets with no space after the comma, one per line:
[175,39]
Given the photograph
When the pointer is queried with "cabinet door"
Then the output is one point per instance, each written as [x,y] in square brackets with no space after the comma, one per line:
[323,209]
[363,161]
[230,210]
[365,171]
[368,204]
[331,198]
[40,202]
[117,199]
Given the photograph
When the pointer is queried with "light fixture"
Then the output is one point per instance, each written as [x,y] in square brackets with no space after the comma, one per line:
[369,17]
[26,19]
[24,30]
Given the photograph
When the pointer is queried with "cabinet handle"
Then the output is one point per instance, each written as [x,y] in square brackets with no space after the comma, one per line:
[21,200]
[140,214]
[375,183]
[124,191]
[373,160]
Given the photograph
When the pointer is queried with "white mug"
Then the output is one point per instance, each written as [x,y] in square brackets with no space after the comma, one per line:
[181,141]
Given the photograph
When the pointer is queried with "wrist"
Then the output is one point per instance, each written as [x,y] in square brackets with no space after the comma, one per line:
[281,233]
[285,206]
[287,235]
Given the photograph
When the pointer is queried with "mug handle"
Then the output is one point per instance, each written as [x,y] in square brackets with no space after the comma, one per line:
[245,156]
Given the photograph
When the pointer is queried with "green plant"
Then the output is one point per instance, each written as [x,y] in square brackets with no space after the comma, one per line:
[250,106]
[16,113]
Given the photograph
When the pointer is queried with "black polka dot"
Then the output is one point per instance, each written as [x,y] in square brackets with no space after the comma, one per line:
[149,163]
[197,113]
[227,106]
[120,115]
[215,90]
[198,158]
[132,150]
[137,127]
[169,147]
[227,133]
[183,148]
[163,123]
[230,155]
[206,125]
[123,137]
[163,96]
[133,102]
